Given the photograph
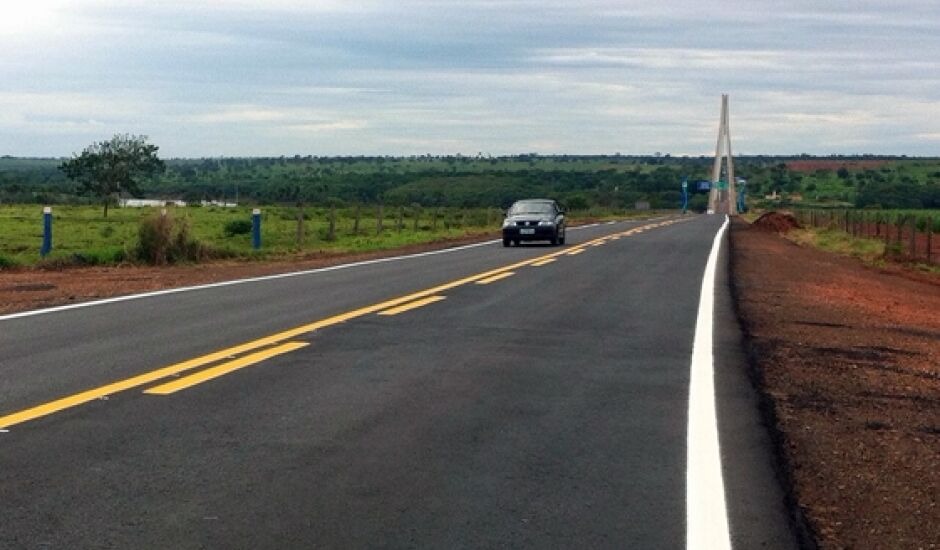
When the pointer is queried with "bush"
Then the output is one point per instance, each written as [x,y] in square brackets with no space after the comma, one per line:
[7,262]
[163,239]
[237,227]
[104,256]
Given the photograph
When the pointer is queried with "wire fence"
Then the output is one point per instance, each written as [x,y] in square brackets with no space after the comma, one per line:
[913,236]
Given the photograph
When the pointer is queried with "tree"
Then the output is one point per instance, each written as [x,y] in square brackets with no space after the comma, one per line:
[107,168]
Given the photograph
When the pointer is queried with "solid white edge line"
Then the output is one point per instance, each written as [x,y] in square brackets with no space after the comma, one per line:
[239,281]
[166,291]
[706,509]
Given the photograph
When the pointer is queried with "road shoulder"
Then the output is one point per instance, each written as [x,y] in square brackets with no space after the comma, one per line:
[846,361]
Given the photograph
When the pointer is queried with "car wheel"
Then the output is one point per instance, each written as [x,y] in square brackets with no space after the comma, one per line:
[505,242]
[515,242]
[561,240]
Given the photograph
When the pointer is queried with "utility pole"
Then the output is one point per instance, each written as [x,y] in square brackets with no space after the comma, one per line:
[723,196]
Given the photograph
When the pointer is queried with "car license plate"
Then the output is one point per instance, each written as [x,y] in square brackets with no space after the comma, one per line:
[527,231]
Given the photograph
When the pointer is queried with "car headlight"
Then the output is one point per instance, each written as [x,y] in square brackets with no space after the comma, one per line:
[546,223]
[507,223]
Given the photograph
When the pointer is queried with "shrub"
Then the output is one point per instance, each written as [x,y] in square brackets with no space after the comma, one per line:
[6,262]
[164,239]
[104,256]
[237,227]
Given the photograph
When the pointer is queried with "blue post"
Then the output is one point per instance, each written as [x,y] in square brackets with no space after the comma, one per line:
[46,231]
[685,194]
[742,195]
[256,228]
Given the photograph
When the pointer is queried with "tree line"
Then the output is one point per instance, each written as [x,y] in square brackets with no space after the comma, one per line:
[128,166]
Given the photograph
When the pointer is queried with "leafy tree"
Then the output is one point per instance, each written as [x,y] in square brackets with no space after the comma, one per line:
[107,168]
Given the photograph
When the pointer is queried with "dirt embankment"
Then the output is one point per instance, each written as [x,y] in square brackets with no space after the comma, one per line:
[848,361]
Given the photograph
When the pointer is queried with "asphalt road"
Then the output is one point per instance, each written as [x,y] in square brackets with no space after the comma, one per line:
[543,409]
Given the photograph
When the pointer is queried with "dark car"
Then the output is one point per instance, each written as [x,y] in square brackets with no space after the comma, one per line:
[534,220]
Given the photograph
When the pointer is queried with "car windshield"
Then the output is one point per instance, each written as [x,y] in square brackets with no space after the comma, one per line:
[531,208]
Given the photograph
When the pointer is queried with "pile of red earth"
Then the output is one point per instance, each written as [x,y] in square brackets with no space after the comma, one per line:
[776,222]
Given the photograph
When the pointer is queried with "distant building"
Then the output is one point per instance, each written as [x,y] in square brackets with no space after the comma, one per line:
[140,203]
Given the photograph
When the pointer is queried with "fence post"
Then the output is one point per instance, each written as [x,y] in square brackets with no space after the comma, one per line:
[356,219]
[378,221]
[929,240]
[331,230]
[900,228]
[46,231]
[300,225]
[256,228]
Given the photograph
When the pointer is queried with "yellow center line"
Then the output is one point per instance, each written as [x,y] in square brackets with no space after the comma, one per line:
[495,278]
[224,368]
[544,262]
[92,394]
[412,305]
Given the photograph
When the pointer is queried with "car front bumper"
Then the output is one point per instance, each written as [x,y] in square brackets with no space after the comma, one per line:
[536,233]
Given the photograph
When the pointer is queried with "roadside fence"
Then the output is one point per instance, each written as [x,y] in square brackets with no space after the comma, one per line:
[910,236]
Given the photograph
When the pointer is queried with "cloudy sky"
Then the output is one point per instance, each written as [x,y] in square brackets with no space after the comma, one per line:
[401,77]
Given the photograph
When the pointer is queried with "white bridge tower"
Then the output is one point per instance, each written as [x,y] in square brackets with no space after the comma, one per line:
[722,198]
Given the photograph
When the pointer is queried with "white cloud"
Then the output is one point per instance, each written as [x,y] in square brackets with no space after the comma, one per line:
[415,76]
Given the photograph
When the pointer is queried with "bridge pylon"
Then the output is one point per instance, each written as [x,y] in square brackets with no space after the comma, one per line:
[723,195]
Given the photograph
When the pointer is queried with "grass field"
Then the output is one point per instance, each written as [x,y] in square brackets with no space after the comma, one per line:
[81,235]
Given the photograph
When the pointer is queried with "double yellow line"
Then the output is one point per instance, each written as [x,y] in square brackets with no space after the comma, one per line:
[278,344]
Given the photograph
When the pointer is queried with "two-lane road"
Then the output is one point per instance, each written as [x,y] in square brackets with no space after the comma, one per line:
[530,397]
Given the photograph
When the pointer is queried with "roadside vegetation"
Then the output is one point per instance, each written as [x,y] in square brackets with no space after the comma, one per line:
[82,236]
[435,197]
[878,239]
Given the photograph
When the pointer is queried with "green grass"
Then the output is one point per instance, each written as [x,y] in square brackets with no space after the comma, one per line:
[840,242]
[878,215]
[82,236]
[868,250]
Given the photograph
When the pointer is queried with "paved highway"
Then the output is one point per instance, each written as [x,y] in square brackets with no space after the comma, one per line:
[484,397]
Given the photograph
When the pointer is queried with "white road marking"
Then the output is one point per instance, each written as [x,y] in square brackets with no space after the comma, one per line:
[130,297]
[706,510]
[239,281]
